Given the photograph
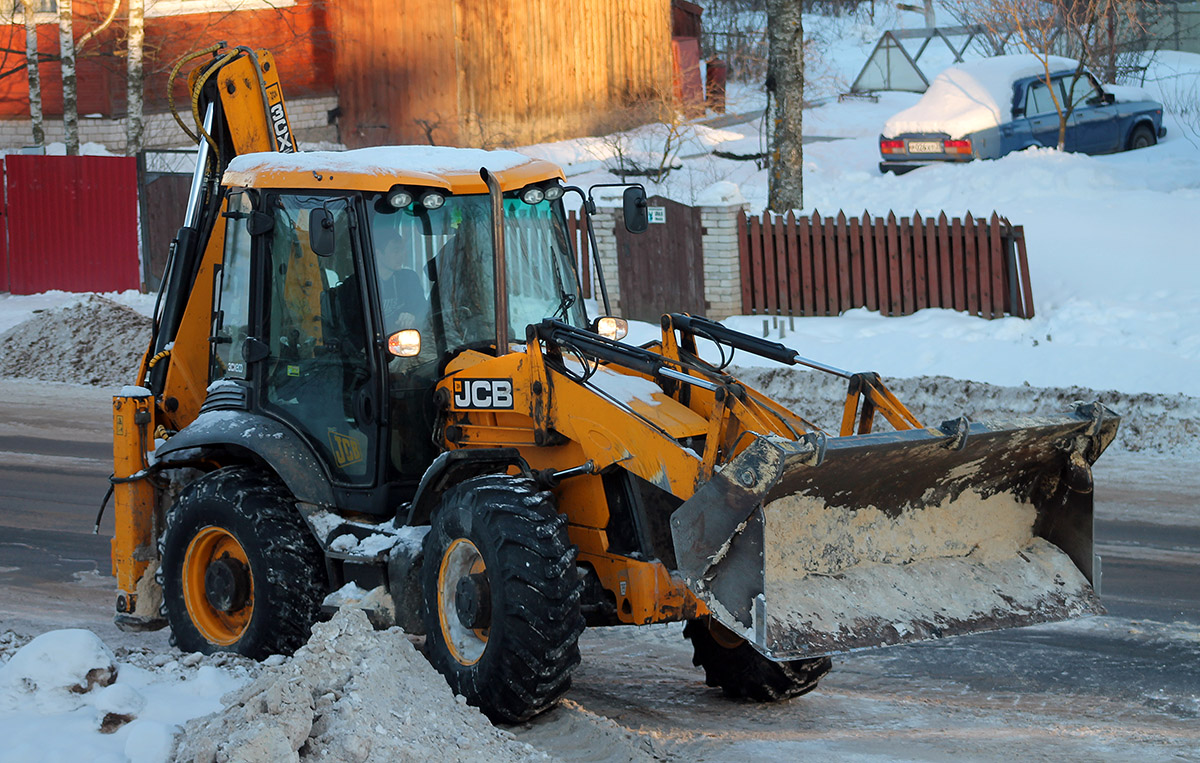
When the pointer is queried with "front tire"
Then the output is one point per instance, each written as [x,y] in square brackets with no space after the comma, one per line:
[240,570]
[1142,137]
[730,663]
[502,617]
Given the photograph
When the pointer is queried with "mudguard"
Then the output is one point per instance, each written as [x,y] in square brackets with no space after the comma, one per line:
[280,447]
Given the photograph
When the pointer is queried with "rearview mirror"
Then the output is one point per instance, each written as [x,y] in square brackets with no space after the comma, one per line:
[637,217]
[320,232]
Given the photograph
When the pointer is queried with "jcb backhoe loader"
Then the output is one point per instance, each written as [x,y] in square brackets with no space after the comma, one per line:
[375,367]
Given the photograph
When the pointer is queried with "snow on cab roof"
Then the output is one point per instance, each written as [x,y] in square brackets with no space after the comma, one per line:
[379,168]
[971,96]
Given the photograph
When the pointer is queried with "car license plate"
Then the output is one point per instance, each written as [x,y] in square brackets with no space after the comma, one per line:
[924,147]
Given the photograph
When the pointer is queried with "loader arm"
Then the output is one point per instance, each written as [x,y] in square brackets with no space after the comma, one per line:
[802,542]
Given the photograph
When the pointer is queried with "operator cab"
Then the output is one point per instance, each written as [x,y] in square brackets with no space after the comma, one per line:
[351,279]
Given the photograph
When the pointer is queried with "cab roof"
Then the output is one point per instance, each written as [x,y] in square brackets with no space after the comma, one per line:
[455,170]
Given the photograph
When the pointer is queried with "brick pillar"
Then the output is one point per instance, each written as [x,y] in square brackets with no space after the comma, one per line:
[722,271]
[604,224]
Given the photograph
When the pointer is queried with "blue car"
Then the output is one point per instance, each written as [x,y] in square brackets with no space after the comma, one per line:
[987,108]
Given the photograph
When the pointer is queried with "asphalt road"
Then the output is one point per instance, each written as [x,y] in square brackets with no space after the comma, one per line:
[1128,682]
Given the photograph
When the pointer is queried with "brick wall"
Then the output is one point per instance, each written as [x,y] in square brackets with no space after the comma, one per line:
[309,117]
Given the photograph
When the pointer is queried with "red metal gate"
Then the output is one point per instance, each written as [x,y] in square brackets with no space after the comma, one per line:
[72,223]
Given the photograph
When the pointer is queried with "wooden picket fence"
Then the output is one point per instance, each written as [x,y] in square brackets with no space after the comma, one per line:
[824,265]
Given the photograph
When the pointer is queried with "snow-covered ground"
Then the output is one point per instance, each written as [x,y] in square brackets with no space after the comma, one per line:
[1116,281]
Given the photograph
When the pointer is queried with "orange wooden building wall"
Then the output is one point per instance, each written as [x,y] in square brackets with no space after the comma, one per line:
[495,72]
[454,72]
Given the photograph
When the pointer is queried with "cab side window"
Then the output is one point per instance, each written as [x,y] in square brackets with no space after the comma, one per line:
[231,294]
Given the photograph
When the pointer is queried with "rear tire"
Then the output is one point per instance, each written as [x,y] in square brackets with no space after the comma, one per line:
[240,570]
[734,666]
[502,617]
[1142,137]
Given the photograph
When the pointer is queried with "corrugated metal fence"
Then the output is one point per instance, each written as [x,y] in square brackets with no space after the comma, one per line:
[70,223]
[826,265]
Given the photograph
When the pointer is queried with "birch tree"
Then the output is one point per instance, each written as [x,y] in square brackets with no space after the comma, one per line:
[134,125]
[785,93]
[31,67]
[66,44]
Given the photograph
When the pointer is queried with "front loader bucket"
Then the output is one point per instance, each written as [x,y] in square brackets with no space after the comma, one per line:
[826,545]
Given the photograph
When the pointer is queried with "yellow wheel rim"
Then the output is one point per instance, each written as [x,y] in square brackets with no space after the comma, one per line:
[217,626]
[462,558]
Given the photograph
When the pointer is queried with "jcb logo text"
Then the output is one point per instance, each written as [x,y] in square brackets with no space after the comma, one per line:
[483,393]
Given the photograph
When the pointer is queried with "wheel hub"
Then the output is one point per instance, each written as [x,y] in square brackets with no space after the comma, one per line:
[218,585]
[473,601]
[227,584]
[464,601]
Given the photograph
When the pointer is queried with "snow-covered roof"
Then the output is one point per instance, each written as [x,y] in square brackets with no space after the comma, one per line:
[971,96]
[379,168]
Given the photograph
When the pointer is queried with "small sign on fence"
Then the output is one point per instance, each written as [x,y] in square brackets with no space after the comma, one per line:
[657,214]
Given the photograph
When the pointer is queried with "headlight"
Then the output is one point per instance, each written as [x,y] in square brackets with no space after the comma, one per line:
[432,200]
[612,328]
[532,195]
[554,192]
[405,344]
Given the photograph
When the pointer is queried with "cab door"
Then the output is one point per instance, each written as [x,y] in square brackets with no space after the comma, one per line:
[319,369]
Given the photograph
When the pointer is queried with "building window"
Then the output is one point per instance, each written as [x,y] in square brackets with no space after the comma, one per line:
[45,11]
[181,7]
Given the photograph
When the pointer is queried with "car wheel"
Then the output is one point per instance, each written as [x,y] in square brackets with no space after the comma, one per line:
[1142,137]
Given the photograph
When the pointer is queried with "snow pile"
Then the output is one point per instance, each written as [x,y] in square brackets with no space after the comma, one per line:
[350,694]
[65,696]
[1168,424]
[38,676]
[970,97]
[93,341]
[10,642]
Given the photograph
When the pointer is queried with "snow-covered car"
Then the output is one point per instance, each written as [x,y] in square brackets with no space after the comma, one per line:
[987,108]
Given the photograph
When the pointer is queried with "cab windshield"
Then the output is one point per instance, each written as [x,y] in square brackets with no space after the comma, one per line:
[434,269]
